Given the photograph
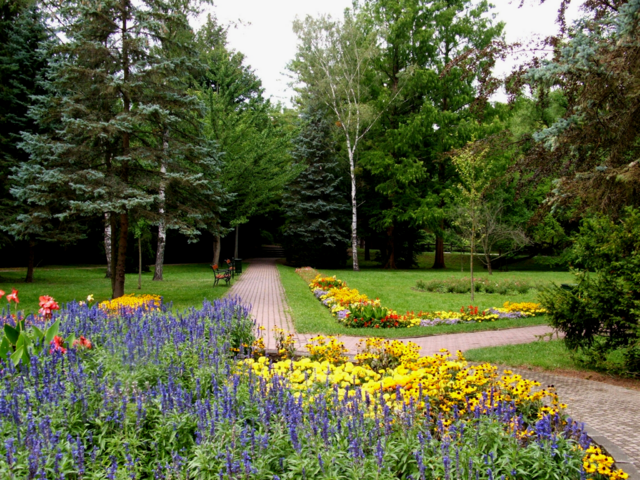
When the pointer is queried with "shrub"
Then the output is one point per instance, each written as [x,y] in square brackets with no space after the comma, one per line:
[601,312]
[463,285]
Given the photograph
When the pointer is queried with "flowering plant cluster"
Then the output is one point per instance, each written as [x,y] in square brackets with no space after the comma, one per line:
[472,314]
[326,283]
[130,303]
[307,273]
[326,349]
[390,389]
[355,309]
[162,395]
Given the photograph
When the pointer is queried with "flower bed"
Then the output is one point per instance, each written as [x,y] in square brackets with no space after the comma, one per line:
[356,310]
[130,303]
[164,396]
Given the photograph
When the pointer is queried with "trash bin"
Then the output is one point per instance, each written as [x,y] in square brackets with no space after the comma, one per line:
[238,264]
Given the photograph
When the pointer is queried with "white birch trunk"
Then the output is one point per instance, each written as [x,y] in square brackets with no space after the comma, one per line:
[162,225]
[354,212]
[107,242]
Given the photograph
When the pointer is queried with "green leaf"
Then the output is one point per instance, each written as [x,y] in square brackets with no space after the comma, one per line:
[4,347]
[23,340]
[52,331]
[11,334]
[17,355]
[70,339]
[39,333]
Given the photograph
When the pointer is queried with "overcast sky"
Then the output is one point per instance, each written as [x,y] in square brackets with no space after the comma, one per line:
[266,38]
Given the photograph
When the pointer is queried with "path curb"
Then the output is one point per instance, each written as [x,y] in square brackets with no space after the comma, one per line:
[622,460]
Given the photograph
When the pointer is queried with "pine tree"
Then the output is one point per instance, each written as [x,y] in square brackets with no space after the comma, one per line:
[122,110]
[315,208]
[24,41]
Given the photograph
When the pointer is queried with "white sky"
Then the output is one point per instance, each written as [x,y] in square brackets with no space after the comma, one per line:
[268,42]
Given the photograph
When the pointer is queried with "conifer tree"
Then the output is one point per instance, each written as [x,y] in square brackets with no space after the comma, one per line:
[122,110]
[24,42]
[315,208]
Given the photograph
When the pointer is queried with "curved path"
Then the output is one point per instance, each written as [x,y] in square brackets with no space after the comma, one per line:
[613,411]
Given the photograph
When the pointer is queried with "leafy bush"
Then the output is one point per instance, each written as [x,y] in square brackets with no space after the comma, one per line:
[463,285]
[601,312]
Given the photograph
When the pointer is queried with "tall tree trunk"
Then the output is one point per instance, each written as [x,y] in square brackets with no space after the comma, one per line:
[354,210]
[140,262]
[118,286]
[107,242]
[439,256]
[487,257]
[216,249]
[235,251]
[118,290]
[162,226]
[391,249]
[367,250]
[31,262]
[473,249]
[112,223]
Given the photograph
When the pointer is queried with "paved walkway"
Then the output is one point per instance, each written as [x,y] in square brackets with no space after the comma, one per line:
[613,411]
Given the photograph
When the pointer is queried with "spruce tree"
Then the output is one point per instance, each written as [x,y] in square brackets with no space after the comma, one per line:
[24,39]
[316,209]
[123,111]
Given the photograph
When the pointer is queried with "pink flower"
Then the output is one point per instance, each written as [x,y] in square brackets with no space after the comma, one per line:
[1,293]
[47,304]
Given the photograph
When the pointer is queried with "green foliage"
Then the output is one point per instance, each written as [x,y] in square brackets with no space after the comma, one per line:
[592,150]
[437,107]
[253,134]
[315,232]
[25,43]
[22,343]
[115,118]
[601,312]
[463,285]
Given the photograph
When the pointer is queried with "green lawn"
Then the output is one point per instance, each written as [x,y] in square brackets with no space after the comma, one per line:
[550,355]
[394,288]
[184,285]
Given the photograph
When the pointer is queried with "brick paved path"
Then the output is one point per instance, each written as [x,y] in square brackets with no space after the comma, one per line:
[260,287]
[613,411]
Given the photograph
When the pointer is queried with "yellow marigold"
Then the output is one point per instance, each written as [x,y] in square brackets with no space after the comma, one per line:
[130,302]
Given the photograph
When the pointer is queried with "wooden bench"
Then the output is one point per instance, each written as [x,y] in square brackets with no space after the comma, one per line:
[221,275]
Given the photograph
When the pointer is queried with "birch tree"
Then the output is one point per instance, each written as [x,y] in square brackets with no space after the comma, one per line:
[333,62]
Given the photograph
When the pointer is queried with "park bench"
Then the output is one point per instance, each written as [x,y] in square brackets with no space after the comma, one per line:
[230,267]
[221,275]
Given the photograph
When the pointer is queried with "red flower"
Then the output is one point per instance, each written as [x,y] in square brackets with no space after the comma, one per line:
[58,345]
[1,293]
[83,342]
[13,296]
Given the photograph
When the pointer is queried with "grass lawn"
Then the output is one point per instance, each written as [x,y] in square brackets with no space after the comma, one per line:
[184,285]
[549,355]
[394,290]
